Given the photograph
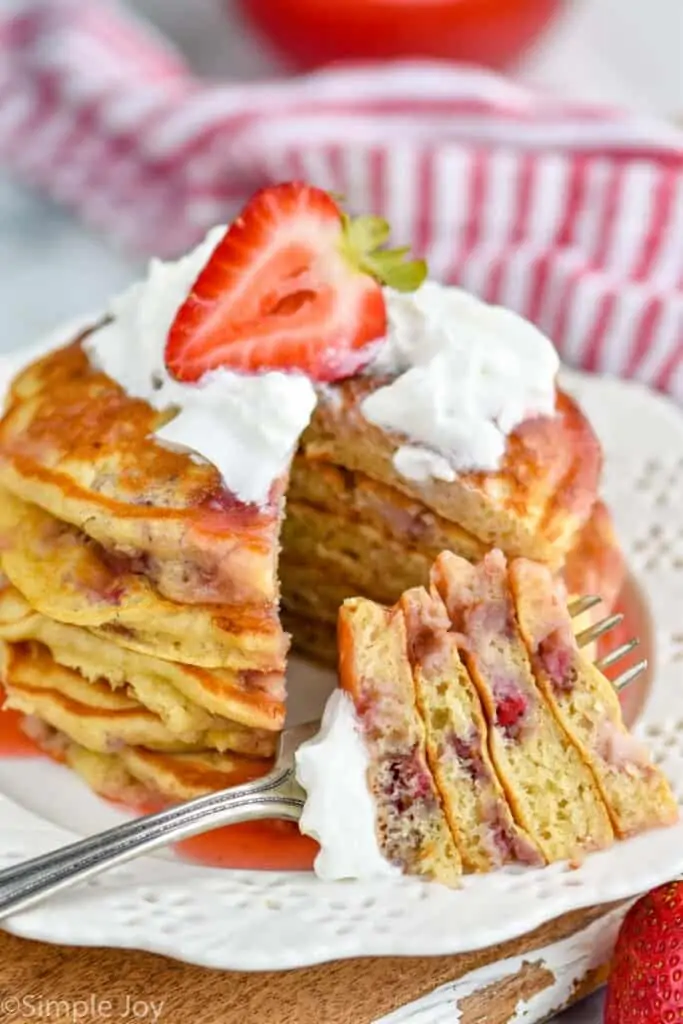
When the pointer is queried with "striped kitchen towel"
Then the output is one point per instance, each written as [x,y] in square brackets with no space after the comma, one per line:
[569,213]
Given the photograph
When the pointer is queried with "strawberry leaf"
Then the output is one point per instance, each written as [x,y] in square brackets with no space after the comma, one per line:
[363,238]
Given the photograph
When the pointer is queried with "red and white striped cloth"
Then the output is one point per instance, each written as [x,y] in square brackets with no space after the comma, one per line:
[570,214]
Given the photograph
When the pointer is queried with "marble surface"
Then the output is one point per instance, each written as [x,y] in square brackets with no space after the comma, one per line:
[51,269]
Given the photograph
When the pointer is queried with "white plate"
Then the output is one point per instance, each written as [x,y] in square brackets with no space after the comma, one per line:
[245,920]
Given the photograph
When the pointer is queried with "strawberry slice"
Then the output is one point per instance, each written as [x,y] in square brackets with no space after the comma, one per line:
[294,285]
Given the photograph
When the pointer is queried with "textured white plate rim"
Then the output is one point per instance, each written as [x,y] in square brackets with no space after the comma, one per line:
[243,920]
[23,926]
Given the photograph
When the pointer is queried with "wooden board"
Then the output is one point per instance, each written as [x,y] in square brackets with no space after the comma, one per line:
[561,962]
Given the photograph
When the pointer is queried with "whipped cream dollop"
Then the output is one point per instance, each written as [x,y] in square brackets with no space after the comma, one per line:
[340,810]
[246,425]
[466,375]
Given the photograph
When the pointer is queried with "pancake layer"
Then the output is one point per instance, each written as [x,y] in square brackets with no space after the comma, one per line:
[190,700]
[636,794]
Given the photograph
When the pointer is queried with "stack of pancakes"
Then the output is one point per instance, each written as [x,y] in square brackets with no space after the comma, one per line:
[356,526]
[140,610]
[139,606]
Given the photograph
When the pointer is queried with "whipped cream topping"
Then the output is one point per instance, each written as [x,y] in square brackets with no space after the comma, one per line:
[340,810]
[246,425]
[421,464]
[466,375]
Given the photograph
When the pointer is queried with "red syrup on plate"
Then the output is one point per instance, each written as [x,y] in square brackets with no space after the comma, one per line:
[13,740]
[254,846]
[278,845]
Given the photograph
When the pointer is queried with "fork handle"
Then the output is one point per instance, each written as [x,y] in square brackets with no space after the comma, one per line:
[276,795]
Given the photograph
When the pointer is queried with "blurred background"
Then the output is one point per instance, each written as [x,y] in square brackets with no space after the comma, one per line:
[626,51]
[623,51]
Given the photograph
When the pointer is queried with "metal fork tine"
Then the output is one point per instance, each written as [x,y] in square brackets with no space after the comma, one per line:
[587,636]
[583,604]
[629,675]
[614,656]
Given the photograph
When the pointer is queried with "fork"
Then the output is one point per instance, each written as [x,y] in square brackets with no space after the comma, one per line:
[275,795]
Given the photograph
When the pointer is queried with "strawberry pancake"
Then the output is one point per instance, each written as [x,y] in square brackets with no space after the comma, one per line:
[292,356]
[553,793]
[375,671]
[474,800]
[102,719]
[190,701]
[585,704]
[141,777]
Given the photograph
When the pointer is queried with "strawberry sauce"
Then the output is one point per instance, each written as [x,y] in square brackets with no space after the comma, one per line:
[13,741]
[256,845]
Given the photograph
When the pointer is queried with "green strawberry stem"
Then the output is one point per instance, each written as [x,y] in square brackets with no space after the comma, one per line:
[363,238]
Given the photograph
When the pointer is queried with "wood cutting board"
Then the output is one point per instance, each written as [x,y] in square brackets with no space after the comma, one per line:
[561,963]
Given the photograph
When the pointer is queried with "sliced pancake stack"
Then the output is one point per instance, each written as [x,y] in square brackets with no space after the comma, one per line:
[486,727]
[139,607]
[355,525]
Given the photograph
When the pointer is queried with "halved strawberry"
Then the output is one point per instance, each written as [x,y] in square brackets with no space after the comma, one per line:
[293,285]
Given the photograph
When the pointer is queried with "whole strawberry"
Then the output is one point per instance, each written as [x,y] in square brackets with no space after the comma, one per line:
[646,983]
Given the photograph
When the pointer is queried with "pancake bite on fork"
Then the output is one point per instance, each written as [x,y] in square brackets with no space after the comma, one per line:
[444,683]
[375,669]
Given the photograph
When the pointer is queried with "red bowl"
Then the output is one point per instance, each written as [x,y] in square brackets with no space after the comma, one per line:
[311,33]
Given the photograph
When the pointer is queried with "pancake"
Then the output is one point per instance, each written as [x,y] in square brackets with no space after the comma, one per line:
[90,713]
[325,563]
[74,443]
[189,700]
[359,501]
[552,793]
[595,564]
[143,574]
[185,776]
[65,576]
[457,741]
[533,506]
[636,793]
[345,535]
[477,695]
[352,550]
[101,719]
[412,829]
[138,777]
